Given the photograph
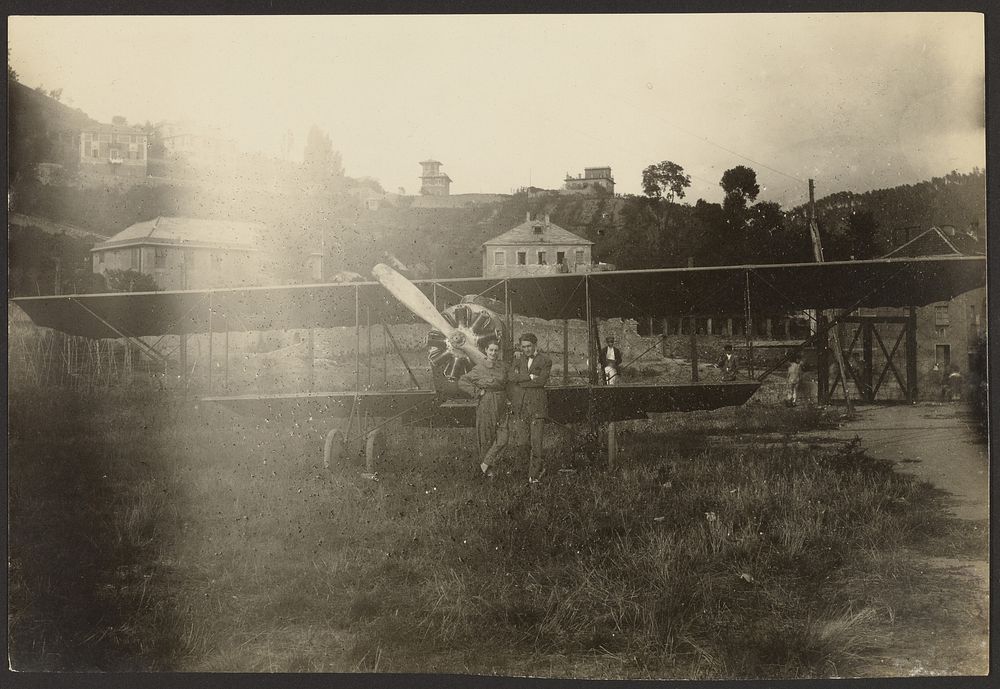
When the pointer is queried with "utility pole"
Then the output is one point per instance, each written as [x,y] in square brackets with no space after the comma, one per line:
[818,255]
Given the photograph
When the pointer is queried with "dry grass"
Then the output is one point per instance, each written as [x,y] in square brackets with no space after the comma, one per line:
[150,532]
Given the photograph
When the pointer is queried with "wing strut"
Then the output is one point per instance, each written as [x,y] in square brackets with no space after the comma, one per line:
[395,346]
[135,340]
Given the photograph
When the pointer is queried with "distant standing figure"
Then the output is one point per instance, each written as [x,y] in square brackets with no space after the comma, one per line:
[529,406]
[794,376]
[488,383]
[611,361]
[955,384]
[727,363]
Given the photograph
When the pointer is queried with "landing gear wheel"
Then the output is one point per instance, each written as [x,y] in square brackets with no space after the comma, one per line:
[334,448]
[374,451]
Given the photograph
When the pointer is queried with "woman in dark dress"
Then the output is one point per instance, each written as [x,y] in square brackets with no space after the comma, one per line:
[488,382]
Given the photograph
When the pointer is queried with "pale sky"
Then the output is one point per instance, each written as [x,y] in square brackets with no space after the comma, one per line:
[856,101]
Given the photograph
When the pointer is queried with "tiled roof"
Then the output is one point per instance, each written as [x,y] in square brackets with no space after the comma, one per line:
[937,242]
[525,234]
[166,230]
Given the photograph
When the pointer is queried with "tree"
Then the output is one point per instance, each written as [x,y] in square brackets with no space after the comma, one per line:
[665,179]
[740,185]
[321,163]
[11,74]
[862,236]
[129,281]
[154,142]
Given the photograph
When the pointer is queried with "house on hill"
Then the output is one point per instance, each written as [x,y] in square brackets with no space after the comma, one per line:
[595,180]
[941,241]
[197,143]
[433,182]
[536,247]
[116,150]
[187,253]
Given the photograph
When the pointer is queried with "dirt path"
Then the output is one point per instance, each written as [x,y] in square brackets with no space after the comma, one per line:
[937,443]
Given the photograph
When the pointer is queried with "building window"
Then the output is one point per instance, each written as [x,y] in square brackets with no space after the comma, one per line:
[100,257]
[95,153]
[942,357]
[499,258]
[542,258]
[941,315]
[160,257]
[135,259]
[522,258]
[560,257]
[579,256]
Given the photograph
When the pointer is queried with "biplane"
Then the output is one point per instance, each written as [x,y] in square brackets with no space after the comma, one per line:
[475,308]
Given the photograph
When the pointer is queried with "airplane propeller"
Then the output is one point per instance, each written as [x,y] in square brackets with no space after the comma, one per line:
[455,338]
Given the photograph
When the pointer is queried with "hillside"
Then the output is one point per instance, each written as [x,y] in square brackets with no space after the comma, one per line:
[957,199]
[41,129]
[628,231]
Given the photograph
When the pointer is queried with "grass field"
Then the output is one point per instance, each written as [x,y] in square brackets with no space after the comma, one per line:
[151,532]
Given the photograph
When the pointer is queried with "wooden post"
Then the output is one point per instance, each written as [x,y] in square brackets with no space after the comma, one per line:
[866,374]
[225,365]
[838,352]
[385,359]
[822,362]
[565,351]
[311,353]
[368,333]
[911,355]
[211,340]
[748,326]
[591,352]
[591,346]
[694,350]
[184,356]
[508,346]
[612,445]
[357,339]
[665,322]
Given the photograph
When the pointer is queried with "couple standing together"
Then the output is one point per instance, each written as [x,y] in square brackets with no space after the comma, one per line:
[511,397]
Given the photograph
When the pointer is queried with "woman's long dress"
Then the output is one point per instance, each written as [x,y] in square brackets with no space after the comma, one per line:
[489,384]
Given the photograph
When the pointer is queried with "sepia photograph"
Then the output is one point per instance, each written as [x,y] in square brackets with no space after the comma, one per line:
[607,346]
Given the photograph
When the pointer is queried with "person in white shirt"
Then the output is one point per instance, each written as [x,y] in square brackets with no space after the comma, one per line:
[611,361]
[794,376]
[727,363]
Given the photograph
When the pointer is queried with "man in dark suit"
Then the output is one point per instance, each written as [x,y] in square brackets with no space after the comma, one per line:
[526,391]
[611,361]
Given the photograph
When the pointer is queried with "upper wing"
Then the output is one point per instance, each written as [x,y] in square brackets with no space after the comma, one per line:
[625,294]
